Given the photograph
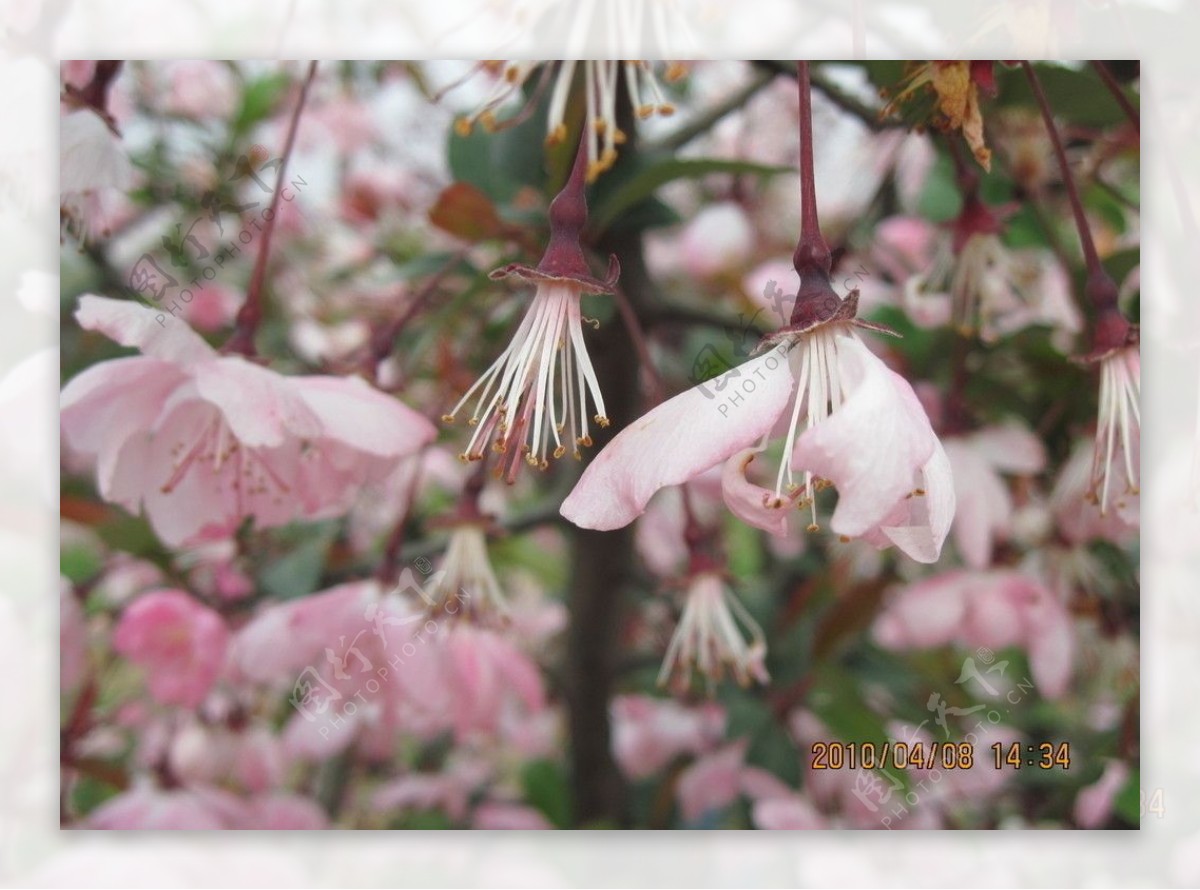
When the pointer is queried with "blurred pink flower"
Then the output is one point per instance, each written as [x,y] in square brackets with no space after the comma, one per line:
[202,441]
[180,643]
[493,816]
[649,733]
[717,239]
[92,162]
[1094,804]
[145,807]
[985,506]
[893,487]
[989,609]
[200,89]
[181,809]
[1077,514]
[212,307]
[713,782]
[787,814]
[448,790]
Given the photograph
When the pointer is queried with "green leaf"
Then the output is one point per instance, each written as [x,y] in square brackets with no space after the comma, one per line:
[546,789]
[1077,95]
[259,99]
[298,572]
[1128,802]
[619,192]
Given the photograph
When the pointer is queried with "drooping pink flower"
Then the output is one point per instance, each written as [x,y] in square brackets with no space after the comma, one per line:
[533,400]
[202,441]
[984,505]
[179,642]
[853,423]
[649,733]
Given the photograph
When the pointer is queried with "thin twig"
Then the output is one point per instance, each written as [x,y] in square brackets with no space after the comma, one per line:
[1119,94]
[761,77]
[250,315]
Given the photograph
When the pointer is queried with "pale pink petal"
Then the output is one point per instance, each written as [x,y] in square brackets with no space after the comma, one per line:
[262,408]
[787,814]
[984,505]
[356,413]
[154,333]
[679,440]
[749,502]
[283,811]
[926,613]
[711,783]
[920,524]
[508,817]
[1011,448]
[872,445]
[1094,804]
[112,402]
[1051,642]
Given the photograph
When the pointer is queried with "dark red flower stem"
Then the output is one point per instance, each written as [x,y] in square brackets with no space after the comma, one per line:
[568,216]
[95,92]
[816,300]
[250,316]
[812,252]
[1111,329]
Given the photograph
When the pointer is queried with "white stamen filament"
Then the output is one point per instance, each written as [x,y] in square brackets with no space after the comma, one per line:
[526,395]
[819,391]
[1119,424]
[715,632]
[466,573]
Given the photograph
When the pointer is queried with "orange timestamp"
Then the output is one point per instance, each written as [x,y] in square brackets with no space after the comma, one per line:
[1046,755]
[892,754]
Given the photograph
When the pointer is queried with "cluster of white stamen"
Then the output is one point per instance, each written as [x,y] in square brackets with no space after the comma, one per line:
[1119,424]
[534,397]
[715,632]
[819,392]
[466,573]
[600,78]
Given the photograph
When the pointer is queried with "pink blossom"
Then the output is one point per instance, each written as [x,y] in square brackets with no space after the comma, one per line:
[989,609]
[649,733]
[449,790]
[865,432]
[180,809]
[283,811]
[493,816]
[92,163]
[212,307]
[202,441]
[715,240]
[180,644]
[200,89]
[711,783]
[985,507]
[787,814]
[1094,804]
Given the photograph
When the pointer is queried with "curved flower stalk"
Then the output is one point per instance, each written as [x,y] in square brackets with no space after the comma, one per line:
[202,441]
[602,82]
[846,421]
[533,402]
